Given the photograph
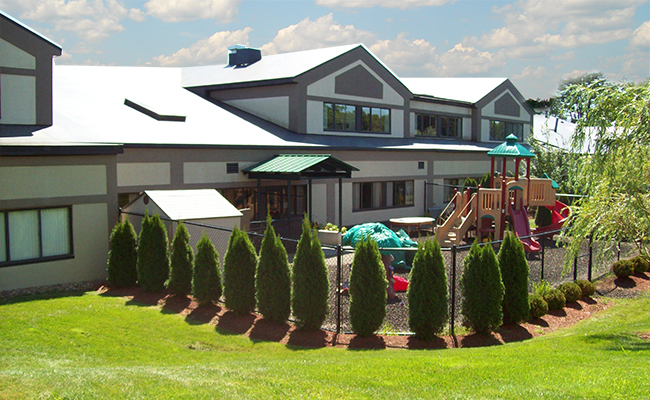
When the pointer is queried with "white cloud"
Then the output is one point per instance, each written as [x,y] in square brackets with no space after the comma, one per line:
[188,10]
[569,55]
[462,60]
[641,36]
[212,50]
[532,73]
[403,4]
[136,15]
[308,34]
[406,57]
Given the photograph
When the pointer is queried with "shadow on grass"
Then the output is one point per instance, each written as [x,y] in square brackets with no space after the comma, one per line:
[415,343]
[40,296]
[145,299]
[268,331]
[623,342]
[175,304]
[479,340]
[202,314]
[300,339]
[373,342]
[232,323]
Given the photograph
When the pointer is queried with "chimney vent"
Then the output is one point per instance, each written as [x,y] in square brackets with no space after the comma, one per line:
[240,55]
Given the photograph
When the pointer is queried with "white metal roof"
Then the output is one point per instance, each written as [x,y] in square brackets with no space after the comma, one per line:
[469,90]
[193,204]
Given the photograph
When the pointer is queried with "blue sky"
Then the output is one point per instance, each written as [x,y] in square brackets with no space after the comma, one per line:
[535,43]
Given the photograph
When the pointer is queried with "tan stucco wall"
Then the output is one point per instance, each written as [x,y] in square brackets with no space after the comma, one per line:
[28,182]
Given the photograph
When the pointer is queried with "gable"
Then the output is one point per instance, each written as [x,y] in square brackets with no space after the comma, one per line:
[14,57]
[506,105]
[358,82]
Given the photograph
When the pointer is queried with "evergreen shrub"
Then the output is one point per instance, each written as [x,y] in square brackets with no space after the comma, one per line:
[153,254]
[182,263]
[273,278]
[623,268]
[640,263]
[572,292]
[367,288]
[588,288]
[310,290]
[239,267]
[482,290]
[514,273]
[555,299]
[543,217]
[206,279]
[427,292]
[123,255]
[538,306]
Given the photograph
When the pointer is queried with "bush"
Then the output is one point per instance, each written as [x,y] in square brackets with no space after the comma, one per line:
[482,290]
[427,292]
[514,273]
[543,217]
[367,288]
[588,288]
[153,255]
[623,268]
[470,183]
[640,264]
[182,263]
[538,306]
[273,278]
[239,267]
[123,255]
[572,292]
[555,299]
[310,281]
[206,280]
[542,288]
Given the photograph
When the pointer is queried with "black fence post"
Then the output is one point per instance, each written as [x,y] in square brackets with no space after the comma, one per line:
[575,268]
[591,259]
[453,290]
[543,254]
[338,289]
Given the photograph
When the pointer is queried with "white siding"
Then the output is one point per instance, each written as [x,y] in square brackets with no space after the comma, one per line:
[388,169]
[461,168]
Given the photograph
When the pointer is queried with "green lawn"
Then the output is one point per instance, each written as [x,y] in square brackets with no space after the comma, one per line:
[92,346]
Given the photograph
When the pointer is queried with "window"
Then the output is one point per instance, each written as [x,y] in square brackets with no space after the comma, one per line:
[378,195]
[349,118]
[35,235]
[499,130]
[232,168]
[438,125]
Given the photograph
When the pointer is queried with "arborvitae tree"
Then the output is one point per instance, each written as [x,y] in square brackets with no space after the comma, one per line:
[239,273]
[367,288]
[427,292]
[123,255]
[482,290]
[206,279]
[514,273]
[273,278]
[182,263]
[153,254]
[310,281]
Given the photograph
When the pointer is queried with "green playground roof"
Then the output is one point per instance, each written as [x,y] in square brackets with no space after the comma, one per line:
[295,166]
[510,148]
[554,184]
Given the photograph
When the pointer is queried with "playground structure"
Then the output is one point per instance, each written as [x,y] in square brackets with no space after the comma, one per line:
[486,209]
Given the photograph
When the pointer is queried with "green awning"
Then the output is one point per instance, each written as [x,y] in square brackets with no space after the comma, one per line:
[511,149]
[297,166]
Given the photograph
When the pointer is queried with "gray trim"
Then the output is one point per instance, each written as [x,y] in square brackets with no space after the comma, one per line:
[53,150]
[17,71]
[436,100]
[358,82]
[506,105]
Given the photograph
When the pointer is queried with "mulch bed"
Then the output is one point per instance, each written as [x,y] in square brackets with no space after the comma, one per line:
[256,328]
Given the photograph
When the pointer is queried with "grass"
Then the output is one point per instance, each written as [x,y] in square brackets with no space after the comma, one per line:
[91,346]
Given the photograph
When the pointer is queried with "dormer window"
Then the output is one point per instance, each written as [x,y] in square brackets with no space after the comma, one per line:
[350,118]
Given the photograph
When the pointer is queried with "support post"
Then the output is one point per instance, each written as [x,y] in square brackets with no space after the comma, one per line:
[591,254]
[338,289]
[453,290]
[340,203]
[575,268]
[310,202]
[543,254]
[259,200]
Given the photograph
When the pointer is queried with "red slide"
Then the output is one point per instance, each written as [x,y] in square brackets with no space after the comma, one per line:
[522,228]
[560,213]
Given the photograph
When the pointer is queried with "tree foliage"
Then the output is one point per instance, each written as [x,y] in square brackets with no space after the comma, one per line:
[427,292]
[206,279]
[182,262]
[153,254]
[514,274]
[273,278]
[482,290]
[310,281]
[239,268]
[367,288]
[123,255]
[614,124]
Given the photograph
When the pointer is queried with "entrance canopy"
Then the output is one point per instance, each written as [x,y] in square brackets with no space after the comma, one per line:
[298,166]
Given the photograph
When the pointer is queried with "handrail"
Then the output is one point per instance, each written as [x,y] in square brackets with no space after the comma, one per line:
[442,218]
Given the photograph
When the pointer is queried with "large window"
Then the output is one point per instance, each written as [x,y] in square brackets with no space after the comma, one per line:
[378,195]
[35,235]
[274,200]
[499,130]
[438,125]
[345,117]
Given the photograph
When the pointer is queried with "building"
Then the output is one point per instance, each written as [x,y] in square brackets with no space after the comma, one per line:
[117,131]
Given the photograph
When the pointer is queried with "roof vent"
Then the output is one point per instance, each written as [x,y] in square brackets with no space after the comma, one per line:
[240,55]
